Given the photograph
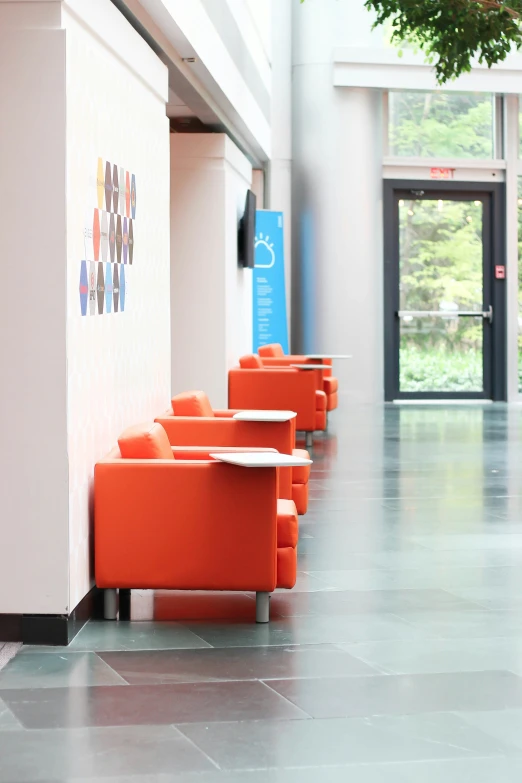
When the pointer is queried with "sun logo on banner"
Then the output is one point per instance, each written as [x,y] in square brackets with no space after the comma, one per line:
[266,254]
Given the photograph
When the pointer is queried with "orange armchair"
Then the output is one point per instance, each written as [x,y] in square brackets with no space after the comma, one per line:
[254,386]
[192,422]
[272,355]
[163,523]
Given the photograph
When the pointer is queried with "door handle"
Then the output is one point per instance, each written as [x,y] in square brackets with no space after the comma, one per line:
[487,315]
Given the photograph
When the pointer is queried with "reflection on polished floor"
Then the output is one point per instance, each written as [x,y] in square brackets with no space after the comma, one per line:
[396,659]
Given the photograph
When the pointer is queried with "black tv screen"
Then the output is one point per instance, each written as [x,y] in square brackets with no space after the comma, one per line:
[247,232]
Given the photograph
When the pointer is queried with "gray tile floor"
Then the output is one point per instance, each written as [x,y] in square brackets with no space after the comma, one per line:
[396,659]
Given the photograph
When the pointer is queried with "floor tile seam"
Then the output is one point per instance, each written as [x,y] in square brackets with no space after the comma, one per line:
[214,680]
[410,623]
[260,646]
[373,674]
[306,715]
[513,750]
[113,671]
[321,581]
[4,693]
[205,643]
[380,670]
[398,569]
[486,637]
[455,610]
[359,719]
[357,764]
[173,625]
[245,647]
[472,613]
[478,603]
[6,709]
[194,745]
[138,649]
[402,675]
[428,634]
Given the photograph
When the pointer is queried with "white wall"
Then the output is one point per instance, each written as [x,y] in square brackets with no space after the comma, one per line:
[72,382]
[337,205]
[33,446]
[118,363]
[211,298]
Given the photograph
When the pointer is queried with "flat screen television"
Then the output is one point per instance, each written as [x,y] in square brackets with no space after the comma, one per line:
[247,233]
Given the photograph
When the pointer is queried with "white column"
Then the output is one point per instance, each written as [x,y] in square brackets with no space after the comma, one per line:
[211,297]
[337,292]
[34,555]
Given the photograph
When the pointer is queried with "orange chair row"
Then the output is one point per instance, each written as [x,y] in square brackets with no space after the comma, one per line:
[170,515]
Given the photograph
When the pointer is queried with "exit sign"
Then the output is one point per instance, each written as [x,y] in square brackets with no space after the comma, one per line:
[438,173]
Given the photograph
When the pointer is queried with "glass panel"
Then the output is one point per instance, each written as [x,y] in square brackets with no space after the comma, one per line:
[441,124]
[440,270]
[441,355]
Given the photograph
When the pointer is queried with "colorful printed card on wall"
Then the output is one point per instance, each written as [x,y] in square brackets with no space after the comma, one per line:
[108,241]
[269,305]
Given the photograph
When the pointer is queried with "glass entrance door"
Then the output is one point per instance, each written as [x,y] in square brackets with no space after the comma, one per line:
[443,313]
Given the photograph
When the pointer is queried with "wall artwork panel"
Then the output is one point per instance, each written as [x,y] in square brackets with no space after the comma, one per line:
[108,237]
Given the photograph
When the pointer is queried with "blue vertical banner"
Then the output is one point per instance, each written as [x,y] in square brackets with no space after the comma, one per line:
[270,324]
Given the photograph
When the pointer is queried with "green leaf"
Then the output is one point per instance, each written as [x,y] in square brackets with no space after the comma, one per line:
[451,33]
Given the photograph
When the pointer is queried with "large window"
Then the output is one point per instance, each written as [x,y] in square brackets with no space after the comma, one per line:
[441,124]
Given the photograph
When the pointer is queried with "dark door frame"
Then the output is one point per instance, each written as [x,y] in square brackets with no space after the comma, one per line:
[495,384]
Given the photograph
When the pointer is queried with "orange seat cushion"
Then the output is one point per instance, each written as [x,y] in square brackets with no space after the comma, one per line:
[300,497]
[300,475]
[145,441]
[320,401]
[272,351]
[251,362]
[287,523]
[192,403]
[330,385]
[286,566]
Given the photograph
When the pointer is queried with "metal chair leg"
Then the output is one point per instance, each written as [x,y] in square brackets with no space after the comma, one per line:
[110,603]
[262,607]
[309,440]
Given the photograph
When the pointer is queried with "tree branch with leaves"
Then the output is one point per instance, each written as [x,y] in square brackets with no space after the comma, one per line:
[452,33]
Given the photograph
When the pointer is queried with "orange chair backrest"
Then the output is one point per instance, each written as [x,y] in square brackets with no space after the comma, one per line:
[251,362]
[145,441]
[272,351]
[193,403]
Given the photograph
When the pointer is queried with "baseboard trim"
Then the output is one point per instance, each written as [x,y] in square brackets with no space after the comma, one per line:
[56,630]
